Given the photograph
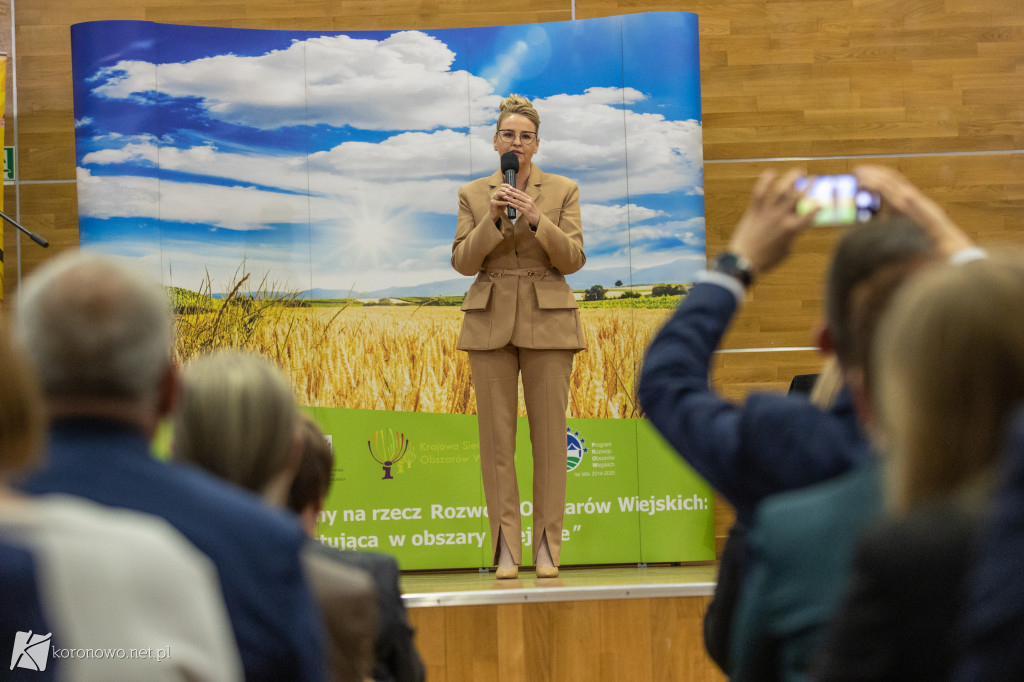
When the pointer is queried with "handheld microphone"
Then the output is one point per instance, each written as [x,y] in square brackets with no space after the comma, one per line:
[510,166]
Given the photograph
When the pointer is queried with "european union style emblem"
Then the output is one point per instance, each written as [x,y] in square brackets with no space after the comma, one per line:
[574,449]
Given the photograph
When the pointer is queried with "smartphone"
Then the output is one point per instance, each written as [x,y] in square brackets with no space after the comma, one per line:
[842,202]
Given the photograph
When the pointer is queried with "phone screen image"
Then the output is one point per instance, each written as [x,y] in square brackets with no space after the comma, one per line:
[841,201]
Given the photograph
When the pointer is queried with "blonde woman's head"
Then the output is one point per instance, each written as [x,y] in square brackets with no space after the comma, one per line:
[947,369]
[517,104]
[237,419]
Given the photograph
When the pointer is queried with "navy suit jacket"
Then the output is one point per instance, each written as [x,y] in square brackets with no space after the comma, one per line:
[255,548]
[21,610]
[898,619]
[994,613]
[770,444]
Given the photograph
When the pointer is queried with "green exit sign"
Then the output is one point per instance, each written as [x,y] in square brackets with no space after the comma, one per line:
[9,165]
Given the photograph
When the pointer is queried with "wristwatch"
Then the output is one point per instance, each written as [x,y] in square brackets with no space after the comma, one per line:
[734,265]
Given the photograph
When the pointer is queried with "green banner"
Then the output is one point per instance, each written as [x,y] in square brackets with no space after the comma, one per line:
[409,484]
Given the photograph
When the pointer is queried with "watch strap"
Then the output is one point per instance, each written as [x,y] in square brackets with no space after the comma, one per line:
[729,263]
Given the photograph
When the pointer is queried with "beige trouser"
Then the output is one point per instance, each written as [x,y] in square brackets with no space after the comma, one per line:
[546,391]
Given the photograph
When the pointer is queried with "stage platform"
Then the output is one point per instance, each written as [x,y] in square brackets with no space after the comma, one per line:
[465,588]
[590,623]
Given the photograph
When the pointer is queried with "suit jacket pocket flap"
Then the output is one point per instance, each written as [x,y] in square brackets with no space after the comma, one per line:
[478,296]
[554,295]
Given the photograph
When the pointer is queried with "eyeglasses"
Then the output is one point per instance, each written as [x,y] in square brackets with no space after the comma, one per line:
[510,136]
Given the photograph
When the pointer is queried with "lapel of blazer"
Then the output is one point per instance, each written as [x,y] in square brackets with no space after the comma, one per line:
[533,185]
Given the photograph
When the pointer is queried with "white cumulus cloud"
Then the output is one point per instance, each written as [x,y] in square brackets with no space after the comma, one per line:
[587,135]
[403,82]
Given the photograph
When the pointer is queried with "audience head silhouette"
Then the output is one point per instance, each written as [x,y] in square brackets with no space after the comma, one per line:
[863,251]
[313,477]
[100,334]
[947,370]
[237,420]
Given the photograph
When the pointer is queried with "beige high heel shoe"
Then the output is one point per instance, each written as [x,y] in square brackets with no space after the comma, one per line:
[510,573]
[547,571]
[544,552]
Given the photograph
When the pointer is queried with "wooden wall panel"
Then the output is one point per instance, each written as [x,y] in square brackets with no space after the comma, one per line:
[984,193]
[54,217]
[736,374]
[46,124]
[854,77]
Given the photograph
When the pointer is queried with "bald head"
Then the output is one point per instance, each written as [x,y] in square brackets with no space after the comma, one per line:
[97,329]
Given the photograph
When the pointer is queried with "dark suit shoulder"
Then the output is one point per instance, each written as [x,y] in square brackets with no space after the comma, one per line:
[373,562]
[939,539]
[381,567]
[847,500]
[190,493]
[254,547]
[397,658]
[898,620]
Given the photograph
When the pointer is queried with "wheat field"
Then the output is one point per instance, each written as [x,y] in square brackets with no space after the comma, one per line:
[404,357]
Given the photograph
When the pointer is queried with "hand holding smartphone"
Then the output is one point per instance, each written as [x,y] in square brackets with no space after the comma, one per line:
[840,200]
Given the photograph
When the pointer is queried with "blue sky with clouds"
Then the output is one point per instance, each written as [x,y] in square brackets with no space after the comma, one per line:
[333,160]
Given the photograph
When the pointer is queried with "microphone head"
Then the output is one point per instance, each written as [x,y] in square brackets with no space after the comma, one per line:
[509,161]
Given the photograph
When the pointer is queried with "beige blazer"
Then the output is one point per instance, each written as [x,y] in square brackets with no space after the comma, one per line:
[520,295]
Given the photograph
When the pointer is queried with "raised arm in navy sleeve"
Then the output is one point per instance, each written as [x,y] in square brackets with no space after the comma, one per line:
[746,452]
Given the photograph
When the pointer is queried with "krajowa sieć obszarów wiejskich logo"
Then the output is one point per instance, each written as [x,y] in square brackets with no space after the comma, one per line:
[387,448]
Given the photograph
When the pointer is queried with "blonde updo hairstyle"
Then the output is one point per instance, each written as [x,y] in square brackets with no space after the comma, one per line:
[517,104]
[948,366]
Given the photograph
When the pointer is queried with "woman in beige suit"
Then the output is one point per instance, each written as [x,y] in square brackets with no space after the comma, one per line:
[521,318]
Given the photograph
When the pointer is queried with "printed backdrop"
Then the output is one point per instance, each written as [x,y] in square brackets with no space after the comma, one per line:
[296,192]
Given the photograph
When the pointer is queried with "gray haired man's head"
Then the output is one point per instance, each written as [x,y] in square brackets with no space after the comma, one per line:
[96,328]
